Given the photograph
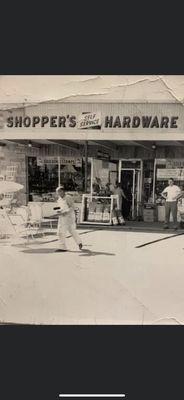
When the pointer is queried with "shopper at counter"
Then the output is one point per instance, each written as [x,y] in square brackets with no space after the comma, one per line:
[171,194]
[66,220]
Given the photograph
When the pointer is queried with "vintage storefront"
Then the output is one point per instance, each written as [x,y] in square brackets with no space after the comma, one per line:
[81,144]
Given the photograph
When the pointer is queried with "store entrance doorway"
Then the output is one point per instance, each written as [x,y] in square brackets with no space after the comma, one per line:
[130,181]
[130,177]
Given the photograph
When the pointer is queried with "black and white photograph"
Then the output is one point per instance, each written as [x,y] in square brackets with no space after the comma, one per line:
[92,199]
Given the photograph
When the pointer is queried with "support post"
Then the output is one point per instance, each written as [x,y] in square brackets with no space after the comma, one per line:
[59,171]
[86,166]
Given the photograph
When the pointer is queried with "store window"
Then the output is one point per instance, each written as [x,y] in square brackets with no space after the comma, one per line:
[105,175]
[46,174]
[165,169]
[148,173]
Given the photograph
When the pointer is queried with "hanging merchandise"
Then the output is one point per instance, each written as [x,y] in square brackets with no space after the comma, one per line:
[69,168]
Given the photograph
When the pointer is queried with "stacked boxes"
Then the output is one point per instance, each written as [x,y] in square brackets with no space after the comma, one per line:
[91,212]
[106,214]
[150,213]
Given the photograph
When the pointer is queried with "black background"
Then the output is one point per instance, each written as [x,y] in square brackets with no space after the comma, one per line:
[41,362]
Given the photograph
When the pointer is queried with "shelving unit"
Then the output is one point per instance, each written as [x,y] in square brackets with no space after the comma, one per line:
[111,201]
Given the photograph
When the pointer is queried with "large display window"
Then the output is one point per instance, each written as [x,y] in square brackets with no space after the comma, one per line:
[46,174]
[104,176]
[163,170]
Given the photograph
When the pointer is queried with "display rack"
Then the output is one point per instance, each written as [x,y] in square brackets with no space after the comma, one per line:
[112,202]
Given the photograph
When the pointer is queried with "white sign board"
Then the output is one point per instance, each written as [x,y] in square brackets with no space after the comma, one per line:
[41,161]
[166,173]
[89,120]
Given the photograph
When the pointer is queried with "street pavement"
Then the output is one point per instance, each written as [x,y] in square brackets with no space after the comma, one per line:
[112,281]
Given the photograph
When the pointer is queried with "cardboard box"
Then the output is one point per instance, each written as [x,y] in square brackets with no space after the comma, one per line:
[149,215]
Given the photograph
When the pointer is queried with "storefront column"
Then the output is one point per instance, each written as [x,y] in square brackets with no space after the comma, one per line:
[86,165]
[59,171]
[26,181]
[154,179]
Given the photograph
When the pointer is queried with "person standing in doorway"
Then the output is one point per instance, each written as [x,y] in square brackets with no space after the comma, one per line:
[171,194]
[120,192]
[66,220]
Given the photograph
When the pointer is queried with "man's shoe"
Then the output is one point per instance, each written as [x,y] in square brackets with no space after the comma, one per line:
[175,228]
[60,250]
[166,227]
[80,246]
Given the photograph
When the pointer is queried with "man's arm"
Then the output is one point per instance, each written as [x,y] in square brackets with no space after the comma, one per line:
[164,194]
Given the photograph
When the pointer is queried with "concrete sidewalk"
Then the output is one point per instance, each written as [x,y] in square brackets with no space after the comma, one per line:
[135,226]
[119,278]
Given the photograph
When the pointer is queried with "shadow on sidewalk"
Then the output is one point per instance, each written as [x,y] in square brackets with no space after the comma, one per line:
[82,253]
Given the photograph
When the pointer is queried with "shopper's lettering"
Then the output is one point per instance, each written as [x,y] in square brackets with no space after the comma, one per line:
[43,121]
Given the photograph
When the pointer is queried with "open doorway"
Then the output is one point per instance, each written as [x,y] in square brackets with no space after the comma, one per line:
[130,179]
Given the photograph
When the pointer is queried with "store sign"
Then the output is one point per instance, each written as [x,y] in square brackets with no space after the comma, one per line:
[89,120]
[145,121]
[49,160]
[166,173]
[127,116]
[175,163]
[41,161]
[74,161]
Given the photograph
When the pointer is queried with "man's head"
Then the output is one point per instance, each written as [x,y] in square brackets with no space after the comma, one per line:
[1,196]
[60,191]
[171,181]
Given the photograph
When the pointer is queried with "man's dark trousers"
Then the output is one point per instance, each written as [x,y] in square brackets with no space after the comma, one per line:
[171,207]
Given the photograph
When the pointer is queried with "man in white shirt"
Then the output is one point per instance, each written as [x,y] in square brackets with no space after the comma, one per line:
[66,220]
[171,193]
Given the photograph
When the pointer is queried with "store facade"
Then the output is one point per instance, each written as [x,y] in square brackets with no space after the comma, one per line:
[89,146]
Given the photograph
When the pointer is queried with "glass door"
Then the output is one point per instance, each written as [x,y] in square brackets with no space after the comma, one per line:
[131,185]
[137,192]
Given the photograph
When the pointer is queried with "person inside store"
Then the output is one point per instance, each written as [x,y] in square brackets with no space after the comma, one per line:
[171,194]
[97,185]
[120,192]
[107,189]
[66,220]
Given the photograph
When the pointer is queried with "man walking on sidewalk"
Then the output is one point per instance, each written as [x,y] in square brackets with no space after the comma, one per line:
[66,220]
[171,193]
